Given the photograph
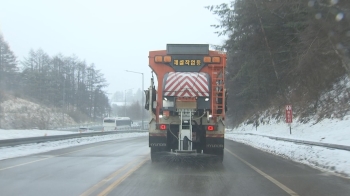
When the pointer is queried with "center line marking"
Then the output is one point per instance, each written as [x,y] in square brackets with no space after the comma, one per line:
[282,186]
[121,179]
[105,180]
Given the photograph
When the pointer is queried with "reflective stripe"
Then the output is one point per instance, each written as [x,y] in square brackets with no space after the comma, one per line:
[158,134]
[215,135]
[186,84]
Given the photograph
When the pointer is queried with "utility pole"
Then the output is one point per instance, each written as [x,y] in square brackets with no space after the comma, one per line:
[0,113]
[124,103]
[141,95]
[125,100]
[63,97]
[143,101]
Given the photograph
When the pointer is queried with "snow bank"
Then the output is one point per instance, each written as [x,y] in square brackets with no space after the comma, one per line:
[19,113]
[333,131]
[18,133]
[23,150]
[337,161]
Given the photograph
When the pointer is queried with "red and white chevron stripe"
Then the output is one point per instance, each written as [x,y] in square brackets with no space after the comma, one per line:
[187,84]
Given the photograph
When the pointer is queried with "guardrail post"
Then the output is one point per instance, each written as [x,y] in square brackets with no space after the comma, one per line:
[290,129]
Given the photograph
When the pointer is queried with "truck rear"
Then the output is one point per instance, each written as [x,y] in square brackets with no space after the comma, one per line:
[187,103]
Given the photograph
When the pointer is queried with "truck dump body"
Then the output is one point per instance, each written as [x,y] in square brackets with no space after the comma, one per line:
[188,104]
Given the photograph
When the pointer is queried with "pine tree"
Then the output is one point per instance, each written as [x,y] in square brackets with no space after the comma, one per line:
[8,66]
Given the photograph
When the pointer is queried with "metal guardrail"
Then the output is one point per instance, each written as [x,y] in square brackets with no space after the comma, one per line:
[41,139]
[21,141]
[77,126]
[327,145]
[96,126]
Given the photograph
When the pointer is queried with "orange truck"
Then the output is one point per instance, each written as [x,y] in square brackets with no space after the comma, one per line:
[187,102]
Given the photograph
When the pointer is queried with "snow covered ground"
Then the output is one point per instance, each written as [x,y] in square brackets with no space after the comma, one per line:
[6,134]
[18,113]
[333,131]
[17,133]
[27,149]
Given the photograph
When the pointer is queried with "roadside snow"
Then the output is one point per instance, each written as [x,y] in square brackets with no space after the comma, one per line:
[17,133]
[331,131]
[23,150]
[20,113]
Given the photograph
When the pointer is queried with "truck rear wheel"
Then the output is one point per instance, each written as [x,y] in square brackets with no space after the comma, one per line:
[219,154]
[155,157]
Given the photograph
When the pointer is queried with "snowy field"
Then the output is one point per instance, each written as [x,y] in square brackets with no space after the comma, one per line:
[27,149]
[331,131]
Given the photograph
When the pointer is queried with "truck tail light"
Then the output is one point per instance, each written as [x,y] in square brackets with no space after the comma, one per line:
[167,59]
[162,59]
[216,59]
[162,127]
[207,59]
[210,128]
[158,59]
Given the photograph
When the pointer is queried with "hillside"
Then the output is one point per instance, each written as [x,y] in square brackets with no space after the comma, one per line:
[17,113]
[333,103]
[326,120]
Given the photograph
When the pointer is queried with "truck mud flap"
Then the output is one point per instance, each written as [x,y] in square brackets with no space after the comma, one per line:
[214,142]
[157,140]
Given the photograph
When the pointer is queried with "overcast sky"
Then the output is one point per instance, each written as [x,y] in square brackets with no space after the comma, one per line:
[114,34]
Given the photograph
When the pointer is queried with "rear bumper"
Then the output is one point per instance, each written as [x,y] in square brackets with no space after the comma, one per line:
[157,140]
[214,141]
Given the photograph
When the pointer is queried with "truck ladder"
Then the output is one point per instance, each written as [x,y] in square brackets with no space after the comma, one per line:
[218,91]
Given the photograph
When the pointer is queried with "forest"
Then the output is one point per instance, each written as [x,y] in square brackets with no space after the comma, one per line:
[282,52]
[64,82]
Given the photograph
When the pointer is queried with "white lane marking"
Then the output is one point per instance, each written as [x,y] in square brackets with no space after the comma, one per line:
[282,186]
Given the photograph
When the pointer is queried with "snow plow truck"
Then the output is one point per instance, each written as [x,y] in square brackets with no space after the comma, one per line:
[187,102]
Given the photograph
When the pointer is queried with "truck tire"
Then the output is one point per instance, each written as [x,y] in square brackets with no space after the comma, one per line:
[154,154]
[219,154]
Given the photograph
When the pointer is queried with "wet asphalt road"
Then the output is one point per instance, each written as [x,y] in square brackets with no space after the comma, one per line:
[122,167]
